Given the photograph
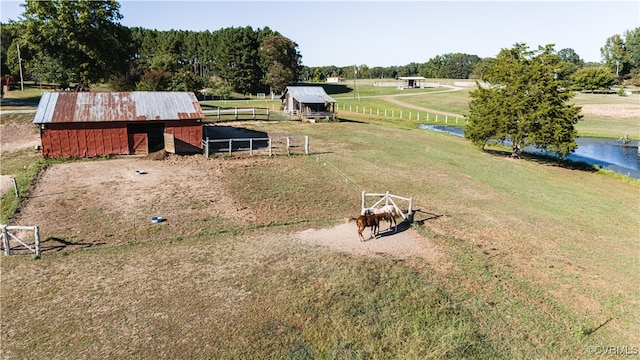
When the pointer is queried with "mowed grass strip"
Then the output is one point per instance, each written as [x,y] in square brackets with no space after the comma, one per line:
[540,261]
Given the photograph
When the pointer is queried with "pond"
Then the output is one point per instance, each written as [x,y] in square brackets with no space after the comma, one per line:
[606,153]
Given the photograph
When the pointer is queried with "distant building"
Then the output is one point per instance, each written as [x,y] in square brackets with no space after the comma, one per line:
[411,82]
[89,124]
[334,79]
[308,102]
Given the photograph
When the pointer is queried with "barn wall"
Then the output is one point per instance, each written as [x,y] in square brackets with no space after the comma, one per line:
[84,140]
[188,135]
[110,138]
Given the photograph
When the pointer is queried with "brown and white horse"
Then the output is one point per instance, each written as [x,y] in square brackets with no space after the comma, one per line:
[387,213]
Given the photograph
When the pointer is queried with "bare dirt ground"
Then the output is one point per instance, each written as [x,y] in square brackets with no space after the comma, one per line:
[621,111]
[18,137]
[114,196]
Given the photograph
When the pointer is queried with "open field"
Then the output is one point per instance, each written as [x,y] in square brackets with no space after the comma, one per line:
[609,116]
[505,259]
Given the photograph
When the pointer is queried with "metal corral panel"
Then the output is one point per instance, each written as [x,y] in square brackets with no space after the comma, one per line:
[64,107]
[309,94]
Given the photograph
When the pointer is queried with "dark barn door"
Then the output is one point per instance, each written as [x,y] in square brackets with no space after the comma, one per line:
[153,133]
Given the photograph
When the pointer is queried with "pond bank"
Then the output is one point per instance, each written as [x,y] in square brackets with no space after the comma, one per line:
[609,154]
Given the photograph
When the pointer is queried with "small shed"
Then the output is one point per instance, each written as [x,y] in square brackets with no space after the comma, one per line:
[89,124]
[308,102]
[411,82]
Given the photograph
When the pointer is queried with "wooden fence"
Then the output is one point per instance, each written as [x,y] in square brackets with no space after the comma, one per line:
[8,233]
[388,199]
[269,145]
[408,114]
[252,113]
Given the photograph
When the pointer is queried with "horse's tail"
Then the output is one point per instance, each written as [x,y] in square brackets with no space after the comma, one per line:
[353,220]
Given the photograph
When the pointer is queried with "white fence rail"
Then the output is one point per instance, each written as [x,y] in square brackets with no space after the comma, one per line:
[388,199]
[404,114]
[252,113]
[269,145]
[9,233]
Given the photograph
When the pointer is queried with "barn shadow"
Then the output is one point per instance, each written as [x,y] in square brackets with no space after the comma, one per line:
[231,132]
[223,132]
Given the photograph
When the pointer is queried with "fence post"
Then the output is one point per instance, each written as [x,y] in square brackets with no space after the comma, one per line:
[268,114]
[15,187]
[306,144]
[411,207]
[206,148]
[230,145]
[236,113]
[254,112]
[218,113]
[363,195]
[5,240]
[288,145]
[270,151]
[436,117]
[251,147]
[36,231]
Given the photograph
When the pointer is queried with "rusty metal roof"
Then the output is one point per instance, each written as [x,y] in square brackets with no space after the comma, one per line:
[62,107]
[308,94]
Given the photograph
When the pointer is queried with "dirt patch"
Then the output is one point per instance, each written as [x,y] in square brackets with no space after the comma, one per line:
[92,203]
[109,202]
[402,244]
[6,183]
[619,111]
[14,137]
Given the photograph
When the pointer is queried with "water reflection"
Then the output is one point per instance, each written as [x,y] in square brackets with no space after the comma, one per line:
[606,153]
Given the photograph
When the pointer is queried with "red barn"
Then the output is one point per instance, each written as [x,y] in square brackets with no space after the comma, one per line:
[88,124]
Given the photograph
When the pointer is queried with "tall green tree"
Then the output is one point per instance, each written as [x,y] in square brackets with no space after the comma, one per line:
[632,47]
[526,103]
[82,36]
[593,78]
[614,54]
[236,58]
[280,61]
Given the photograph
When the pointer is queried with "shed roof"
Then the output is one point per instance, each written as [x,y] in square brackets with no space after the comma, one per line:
[62,107]
[411,78]
[309,94]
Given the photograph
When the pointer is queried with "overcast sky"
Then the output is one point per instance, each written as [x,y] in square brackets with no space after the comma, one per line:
[385,33]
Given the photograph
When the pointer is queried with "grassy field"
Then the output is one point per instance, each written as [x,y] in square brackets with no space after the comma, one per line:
[539,261]
[369,101]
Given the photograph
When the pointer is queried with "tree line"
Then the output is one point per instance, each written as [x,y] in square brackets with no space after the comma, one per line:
[83,43]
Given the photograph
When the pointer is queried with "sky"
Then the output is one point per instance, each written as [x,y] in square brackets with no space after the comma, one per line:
[387,33]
